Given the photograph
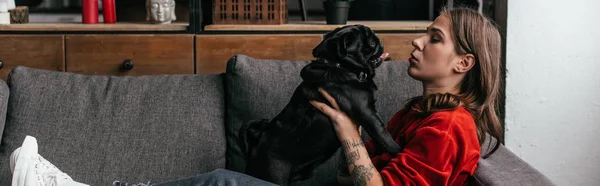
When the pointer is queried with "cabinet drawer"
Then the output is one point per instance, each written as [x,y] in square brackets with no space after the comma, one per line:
[213,51]
[35,51]
[398,45]
[130,54]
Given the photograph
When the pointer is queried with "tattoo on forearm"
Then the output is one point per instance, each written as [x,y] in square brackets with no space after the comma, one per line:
[362,174]
[353,156]
[352,143]
[351,149]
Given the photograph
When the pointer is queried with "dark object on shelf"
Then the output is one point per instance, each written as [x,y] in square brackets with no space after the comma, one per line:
[336,12]
[250,12]
[375,10]
[403,9]
[205,13]
[29,3]
[303,10]
[19,15]
[438,4]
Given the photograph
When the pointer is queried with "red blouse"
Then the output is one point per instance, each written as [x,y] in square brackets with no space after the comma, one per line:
[442,149]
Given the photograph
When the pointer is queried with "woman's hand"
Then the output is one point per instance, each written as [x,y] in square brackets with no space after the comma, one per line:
[343,125]
[359,165]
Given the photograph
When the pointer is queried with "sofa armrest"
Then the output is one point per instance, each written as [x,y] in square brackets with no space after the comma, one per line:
[4,94]
[505,168]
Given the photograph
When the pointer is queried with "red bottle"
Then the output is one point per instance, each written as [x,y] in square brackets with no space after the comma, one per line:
[110,15]
[89,11]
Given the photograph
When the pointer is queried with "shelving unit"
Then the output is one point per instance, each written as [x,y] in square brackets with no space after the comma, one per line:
[322,26]
[206,48]
[50,27]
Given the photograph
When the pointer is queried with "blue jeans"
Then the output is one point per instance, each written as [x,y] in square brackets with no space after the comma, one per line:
[219,177]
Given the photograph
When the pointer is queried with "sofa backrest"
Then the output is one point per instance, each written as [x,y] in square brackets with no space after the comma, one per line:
[100,129]
[258,88]
[503,167]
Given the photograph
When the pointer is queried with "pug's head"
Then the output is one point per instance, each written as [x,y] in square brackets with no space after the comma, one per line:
[354,47]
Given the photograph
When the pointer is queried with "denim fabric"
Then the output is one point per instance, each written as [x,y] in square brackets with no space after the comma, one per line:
[219,177]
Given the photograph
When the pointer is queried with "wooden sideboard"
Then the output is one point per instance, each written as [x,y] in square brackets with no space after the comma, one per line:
[37,51]
[149,54]
[174,53]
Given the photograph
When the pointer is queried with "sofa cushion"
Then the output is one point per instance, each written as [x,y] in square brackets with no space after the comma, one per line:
[4,92]
[99,129]
[261,88]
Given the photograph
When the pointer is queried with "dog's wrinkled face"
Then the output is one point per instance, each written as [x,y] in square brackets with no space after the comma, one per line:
[354,47]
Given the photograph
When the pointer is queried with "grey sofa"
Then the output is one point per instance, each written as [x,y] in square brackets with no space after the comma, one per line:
[100,129]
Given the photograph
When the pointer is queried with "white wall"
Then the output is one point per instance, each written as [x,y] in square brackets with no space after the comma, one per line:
[553,87]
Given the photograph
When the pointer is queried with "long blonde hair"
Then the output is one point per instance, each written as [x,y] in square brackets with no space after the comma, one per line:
[475,34]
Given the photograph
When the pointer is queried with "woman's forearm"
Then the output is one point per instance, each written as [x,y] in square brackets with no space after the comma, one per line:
[360,167]
[362,171]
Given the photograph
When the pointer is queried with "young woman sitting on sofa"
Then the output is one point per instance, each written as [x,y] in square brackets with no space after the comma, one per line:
[458,63]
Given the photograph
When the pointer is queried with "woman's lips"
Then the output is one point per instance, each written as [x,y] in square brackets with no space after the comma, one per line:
[412,60]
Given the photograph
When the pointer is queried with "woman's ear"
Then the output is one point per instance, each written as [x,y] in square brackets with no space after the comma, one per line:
[465,64]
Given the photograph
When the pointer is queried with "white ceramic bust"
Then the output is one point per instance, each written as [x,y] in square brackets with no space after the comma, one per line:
[160,11]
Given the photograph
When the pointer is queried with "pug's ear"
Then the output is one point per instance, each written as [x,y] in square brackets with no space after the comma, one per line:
[317,51]
[330,34]
[321,49]
[342,48]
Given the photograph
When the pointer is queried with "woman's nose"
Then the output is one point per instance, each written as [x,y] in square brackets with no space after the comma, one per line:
[417,43]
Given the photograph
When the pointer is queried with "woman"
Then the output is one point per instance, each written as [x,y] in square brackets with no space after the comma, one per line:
[458,63]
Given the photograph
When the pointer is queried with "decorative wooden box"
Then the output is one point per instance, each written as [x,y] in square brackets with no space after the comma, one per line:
[263,12]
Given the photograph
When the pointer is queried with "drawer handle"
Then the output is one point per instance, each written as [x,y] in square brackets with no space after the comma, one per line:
[128,64]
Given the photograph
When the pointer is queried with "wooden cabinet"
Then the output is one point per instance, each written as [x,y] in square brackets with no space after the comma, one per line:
[212,51]
[130,54]
[178,53]
[398,45]
[127,48]
[147,49]
[36,51]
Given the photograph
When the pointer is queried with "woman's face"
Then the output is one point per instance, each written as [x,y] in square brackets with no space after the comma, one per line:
[434,56]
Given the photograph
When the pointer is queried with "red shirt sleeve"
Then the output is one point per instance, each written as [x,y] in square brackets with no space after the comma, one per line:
[392,124]
[444,150]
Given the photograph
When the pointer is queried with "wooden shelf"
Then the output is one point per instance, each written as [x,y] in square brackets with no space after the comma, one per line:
[322,26]
[94,27]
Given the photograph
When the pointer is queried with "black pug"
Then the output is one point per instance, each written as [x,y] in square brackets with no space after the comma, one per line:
[290,146]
